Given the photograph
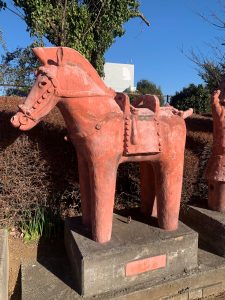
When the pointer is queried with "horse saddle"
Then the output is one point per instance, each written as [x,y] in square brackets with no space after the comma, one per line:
[141,125]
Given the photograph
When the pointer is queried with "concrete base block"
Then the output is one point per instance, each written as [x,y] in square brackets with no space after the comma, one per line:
[209,224]
[51,279]
[4,264]
[137,253]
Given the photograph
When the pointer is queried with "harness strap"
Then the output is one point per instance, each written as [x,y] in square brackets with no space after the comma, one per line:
[54,90]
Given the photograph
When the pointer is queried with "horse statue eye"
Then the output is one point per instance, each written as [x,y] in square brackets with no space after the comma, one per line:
[42,83]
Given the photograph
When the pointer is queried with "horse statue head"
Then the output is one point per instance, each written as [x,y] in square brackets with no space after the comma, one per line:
[64,73]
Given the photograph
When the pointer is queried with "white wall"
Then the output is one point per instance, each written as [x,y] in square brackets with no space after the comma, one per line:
[119,76]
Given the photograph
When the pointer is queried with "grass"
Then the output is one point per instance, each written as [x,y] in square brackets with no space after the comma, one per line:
[40,223]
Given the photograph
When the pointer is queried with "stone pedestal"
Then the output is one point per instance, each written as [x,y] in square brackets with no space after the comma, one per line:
[209,224]
[138,252]
[4,264]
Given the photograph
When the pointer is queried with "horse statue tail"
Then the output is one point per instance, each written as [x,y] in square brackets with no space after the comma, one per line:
[183,114]
[187,113]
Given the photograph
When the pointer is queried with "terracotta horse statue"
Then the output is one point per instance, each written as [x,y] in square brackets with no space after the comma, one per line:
[106,131]
[215,170]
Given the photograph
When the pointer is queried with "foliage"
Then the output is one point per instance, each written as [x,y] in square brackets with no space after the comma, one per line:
[40,223]
[211,69]
[193,96]
[32,226]
[2,4]
[2,42]
[147,87]
[17,68]
[212,72]
[88,26]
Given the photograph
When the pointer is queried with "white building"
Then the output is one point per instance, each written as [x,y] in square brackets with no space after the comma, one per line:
[119,76]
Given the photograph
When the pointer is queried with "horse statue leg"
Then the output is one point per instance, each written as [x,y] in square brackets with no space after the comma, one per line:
[169,175]
[148,195]
[103,182]
[85,190]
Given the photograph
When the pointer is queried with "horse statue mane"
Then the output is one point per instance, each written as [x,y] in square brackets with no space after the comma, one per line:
[67,57]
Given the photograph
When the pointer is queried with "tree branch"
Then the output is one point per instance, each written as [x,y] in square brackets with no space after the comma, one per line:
[2,42]
[17,14]
[222,26]
[140,15]
[92,25]
[63,24]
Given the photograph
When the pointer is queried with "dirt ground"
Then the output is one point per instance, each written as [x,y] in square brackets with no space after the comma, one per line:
[18,252]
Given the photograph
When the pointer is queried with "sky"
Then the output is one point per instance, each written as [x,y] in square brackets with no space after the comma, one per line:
[158,51]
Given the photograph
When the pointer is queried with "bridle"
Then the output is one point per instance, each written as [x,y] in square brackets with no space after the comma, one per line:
[50,91]
[54,89]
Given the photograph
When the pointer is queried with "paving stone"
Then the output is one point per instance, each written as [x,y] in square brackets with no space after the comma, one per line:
[53,280]
[213,289]
[183,296]
[195,294]
[209,224]
[50,281]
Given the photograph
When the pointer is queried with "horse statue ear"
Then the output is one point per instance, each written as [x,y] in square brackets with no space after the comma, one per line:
[59,55]
[40,54]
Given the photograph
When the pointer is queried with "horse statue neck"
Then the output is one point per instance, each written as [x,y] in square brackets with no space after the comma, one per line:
[71,72]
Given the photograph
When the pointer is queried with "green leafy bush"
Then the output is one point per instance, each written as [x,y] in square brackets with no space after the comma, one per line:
[193,96]
[147,87]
